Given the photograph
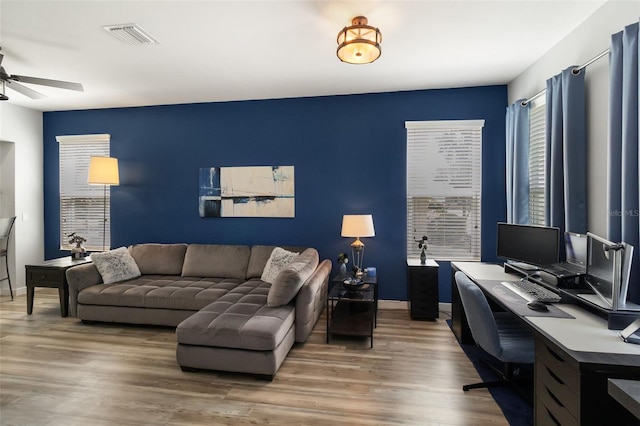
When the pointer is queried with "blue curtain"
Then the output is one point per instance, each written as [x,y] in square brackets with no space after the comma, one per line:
[517,122]
[566,171]
[623,192]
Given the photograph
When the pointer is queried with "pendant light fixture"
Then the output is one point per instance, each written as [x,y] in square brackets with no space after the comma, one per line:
[359,43]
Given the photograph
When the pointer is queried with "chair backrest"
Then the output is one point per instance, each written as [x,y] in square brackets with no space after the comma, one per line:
[6,224]
[479,316]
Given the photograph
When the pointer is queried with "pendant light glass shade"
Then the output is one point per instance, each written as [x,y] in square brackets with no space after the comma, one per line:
[359,43]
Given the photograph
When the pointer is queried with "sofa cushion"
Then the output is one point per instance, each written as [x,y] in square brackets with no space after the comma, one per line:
[286,285]
[115,265]
[212,260]
[159,292]
[259,256]
[239,320]
[278,260]
[159,259]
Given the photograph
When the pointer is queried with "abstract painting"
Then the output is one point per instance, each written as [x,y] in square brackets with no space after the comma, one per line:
[255,191]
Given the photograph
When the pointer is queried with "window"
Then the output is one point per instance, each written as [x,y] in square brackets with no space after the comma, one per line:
[444,182]
[537,155]
[84,208]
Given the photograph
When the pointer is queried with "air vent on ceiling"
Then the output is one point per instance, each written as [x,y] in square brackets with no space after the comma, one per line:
[130,34]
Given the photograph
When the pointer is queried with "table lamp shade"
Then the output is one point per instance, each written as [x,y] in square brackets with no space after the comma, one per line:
[103,171]
[357,225]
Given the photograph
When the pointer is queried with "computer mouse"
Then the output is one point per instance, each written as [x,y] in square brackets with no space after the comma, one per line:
[537,306]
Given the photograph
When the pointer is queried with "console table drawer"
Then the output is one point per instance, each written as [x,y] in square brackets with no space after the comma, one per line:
[40,276]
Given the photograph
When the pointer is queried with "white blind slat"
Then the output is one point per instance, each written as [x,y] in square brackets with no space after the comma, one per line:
[537,155]
[82,206]
[444,179]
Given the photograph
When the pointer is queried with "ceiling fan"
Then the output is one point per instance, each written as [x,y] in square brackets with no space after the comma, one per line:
[13,82]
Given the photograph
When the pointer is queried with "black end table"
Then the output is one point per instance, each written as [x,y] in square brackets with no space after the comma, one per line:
[51,274]
[352,312]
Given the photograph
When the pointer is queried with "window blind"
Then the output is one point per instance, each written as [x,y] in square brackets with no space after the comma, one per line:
[537,155]
[444,183]
[82,206]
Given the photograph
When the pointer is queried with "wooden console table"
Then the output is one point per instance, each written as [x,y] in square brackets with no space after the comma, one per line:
[51,274]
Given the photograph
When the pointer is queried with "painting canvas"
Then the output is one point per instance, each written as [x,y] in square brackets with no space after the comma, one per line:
[256,191]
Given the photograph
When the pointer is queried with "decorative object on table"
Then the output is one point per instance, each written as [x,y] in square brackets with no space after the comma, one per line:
[422,245]
[343,259]
[256,191]
[104,171]
[77,252]
[359,43]
[357,225]
[352,284]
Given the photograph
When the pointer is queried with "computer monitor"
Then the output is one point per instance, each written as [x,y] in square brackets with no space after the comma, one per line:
[575,246]
[535,245]
[604,273]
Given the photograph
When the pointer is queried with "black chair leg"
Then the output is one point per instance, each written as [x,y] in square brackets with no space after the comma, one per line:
[6,263]
[484,385]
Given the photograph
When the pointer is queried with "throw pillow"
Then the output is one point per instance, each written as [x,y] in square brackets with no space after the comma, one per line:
[115,265]
[278,260]
[289,281]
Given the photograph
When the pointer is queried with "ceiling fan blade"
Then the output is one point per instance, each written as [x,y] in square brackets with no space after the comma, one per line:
[24,90]
[46,82]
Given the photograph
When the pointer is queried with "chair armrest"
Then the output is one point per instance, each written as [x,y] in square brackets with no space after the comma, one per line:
[311,300]
[80,277]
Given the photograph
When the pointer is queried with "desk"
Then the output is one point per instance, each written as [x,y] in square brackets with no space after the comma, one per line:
[51,274]
[575,355]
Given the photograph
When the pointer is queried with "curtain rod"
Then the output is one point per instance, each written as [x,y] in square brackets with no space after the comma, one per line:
[574,71]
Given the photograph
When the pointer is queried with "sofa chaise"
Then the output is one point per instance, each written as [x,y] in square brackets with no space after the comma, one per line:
[227,317]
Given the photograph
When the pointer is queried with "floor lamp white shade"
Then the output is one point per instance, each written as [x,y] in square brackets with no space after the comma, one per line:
[104,171]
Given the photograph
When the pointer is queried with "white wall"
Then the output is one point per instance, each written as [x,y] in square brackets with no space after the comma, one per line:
[21,159]
[587,41]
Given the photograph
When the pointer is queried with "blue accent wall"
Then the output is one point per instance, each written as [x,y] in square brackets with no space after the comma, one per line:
[349,154]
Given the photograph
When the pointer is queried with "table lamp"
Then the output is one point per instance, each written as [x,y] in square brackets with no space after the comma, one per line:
[103,171]
[357,225]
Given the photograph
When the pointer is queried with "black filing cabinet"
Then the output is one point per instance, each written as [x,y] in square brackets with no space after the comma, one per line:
[423,288]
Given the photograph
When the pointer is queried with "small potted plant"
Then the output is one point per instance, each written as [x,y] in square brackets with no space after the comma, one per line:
[343,259]
[77,252]
[422,245]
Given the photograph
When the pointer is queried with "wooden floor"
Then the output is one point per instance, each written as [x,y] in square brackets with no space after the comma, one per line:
[58,371]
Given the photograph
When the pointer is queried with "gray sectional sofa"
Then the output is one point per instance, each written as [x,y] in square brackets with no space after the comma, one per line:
[226,317]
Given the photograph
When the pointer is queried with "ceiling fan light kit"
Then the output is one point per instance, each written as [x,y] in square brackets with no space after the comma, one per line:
[359,43]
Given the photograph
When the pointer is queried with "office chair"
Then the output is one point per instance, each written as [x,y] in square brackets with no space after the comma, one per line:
[6,225]
[499,334]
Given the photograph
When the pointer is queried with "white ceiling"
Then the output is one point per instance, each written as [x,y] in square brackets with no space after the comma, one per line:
[238,50]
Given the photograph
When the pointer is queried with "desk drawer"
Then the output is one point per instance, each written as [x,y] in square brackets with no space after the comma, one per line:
[558,363]
[44,276]
[547,416]
[547,383]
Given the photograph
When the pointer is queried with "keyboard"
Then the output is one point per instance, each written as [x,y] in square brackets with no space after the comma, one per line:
[531,291]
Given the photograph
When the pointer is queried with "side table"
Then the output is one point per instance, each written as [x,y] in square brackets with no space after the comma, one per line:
[353,312]
[51,274]
[423,289]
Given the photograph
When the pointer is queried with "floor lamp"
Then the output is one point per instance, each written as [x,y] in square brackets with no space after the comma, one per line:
[104,171]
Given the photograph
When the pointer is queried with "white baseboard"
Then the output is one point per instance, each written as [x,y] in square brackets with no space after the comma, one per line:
[4,291]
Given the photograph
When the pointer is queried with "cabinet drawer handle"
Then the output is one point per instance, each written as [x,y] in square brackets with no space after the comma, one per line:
[557,401]
[553,376]
[553,354]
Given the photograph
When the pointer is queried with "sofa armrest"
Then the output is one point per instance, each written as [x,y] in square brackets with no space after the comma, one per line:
[80,277]
[311,300]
